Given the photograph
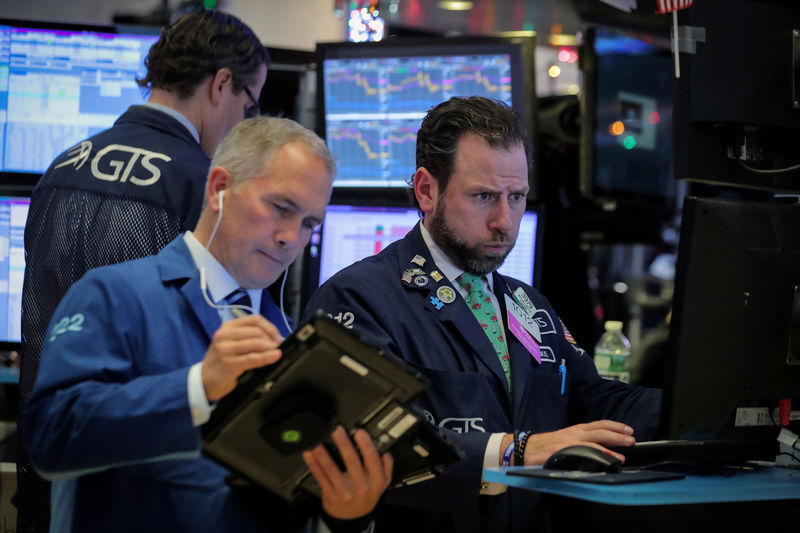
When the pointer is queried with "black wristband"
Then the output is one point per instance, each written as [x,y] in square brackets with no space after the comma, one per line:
[517,457]
[523,440]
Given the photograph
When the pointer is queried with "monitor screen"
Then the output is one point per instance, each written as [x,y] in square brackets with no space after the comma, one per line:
[59,86]
[627,134]
[351,233]
[373,97]
[13,214]
[734,340]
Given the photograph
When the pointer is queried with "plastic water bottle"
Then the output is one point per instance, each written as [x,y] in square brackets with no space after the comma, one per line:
[612,352]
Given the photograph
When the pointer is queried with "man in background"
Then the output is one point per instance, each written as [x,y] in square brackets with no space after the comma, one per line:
[128,191]
[507,381]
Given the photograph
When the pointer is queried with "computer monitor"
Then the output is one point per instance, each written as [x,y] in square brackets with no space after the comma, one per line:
[626,179]
[352,232]
[13,214]
[734,340]
[61,83]
[372,97]
[626,141]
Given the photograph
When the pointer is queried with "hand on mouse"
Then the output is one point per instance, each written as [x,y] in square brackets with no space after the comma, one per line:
[598,434]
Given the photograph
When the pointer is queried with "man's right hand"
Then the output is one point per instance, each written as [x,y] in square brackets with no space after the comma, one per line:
[598,434]
[238,345]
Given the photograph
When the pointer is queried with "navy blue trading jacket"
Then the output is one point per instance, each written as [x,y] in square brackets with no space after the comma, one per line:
[467,395]
[122,194]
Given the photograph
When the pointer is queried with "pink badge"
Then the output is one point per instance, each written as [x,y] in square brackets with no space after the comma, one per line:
[524,337]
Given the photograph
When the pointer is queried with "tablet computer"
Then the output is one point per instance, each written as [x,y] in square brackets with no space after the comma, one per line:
[327,376]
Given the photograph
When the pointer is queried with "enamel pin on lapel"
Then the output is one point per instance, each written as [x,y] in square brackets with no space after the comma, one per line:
[446,294]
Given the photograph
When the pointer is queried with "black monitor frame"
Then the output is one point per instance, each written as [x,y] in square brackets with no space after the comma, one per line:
[287,77]
[733,340]
[595,80]
[519,46]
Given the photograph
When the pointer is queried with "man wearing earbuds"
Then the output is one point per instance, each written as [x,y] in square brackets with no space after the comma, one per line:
[127,191]
[138,353]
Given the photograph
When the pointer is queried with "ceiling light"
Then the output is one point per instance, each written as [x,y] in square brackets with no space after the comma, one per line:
[563,40]
[455,6]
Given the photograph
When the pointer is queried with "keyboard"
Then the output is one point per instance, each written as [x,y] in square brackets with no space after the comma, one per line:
[697,456]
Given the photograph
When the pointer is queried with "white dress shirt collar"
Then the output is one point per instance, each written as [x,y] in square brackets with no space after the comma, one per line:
[219,282]
[177,115]
[444,264]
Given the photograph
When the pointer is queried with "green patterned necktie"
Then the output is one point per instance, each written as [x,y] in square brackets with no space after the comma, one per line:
[481,305]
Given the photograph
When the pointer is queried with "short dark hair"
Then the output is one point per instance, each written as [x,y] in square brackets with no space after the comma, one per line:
[196,46]
[444,125]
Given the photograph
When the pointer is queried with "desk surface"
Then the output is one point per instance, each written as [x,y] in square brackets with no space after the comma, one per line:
[744,485]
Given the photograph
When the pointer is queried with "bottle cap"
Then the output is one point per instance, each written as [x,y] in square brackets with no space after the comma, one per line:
[613,325]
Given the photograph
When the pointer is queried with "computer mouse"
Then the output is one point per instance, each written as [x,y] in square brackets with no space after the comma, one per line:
[583,458]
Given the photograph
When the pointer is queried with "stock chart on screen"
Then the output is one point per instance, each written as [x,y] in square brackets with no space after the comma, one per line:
[374,107]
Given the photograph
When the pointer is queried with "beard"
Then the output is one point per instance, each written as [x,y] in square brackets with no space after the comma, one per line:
[468,257]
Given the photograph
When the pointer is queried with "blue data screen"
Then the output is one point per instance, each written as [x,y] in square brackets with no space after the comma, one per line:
[13,214]
[58,87]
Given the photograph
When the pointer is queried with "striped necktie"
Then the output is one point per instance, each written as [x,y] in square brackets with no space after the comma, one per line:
[241,299]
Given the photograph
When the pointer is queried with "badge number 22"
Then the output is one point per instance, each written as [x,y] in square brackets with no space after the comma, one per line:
[345,319]
[68,323]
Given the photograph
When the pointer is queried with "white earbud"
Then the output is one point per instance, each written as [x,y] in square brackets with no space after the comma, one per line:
[219,219]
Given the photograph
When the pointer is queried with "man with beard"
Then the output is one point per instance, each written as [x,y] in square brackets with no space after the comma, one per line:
[507,382]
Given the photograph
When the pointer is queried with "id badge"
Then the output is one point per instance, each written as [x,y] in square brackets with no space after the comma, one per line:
[517,326]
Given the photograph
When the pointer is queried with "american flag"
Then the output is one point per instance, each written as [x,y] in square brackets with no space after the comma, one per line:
[667,6]
[567,334]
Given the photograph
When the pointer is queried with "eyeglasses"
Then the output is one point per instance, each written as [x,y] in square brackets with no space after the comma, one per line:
[251,110]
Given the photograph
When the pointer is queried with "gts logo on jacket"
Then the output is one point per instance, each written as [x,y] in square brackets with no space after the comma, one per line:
[117,162]
[459,425]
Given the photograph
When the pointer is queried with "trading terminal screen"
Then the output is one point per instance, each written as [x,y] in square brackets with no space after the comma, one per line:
[351,233]
[374,106]
[58,87]
[13,214]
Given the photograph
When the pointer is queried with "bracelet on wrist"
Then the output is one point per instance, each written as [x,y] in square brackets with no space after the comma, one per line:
[519,459]
[508,453]
[519,453]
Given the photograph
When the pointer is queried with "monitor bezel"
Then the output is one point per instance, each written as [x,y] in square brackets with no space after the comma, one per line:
[519,45]
[692,368]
